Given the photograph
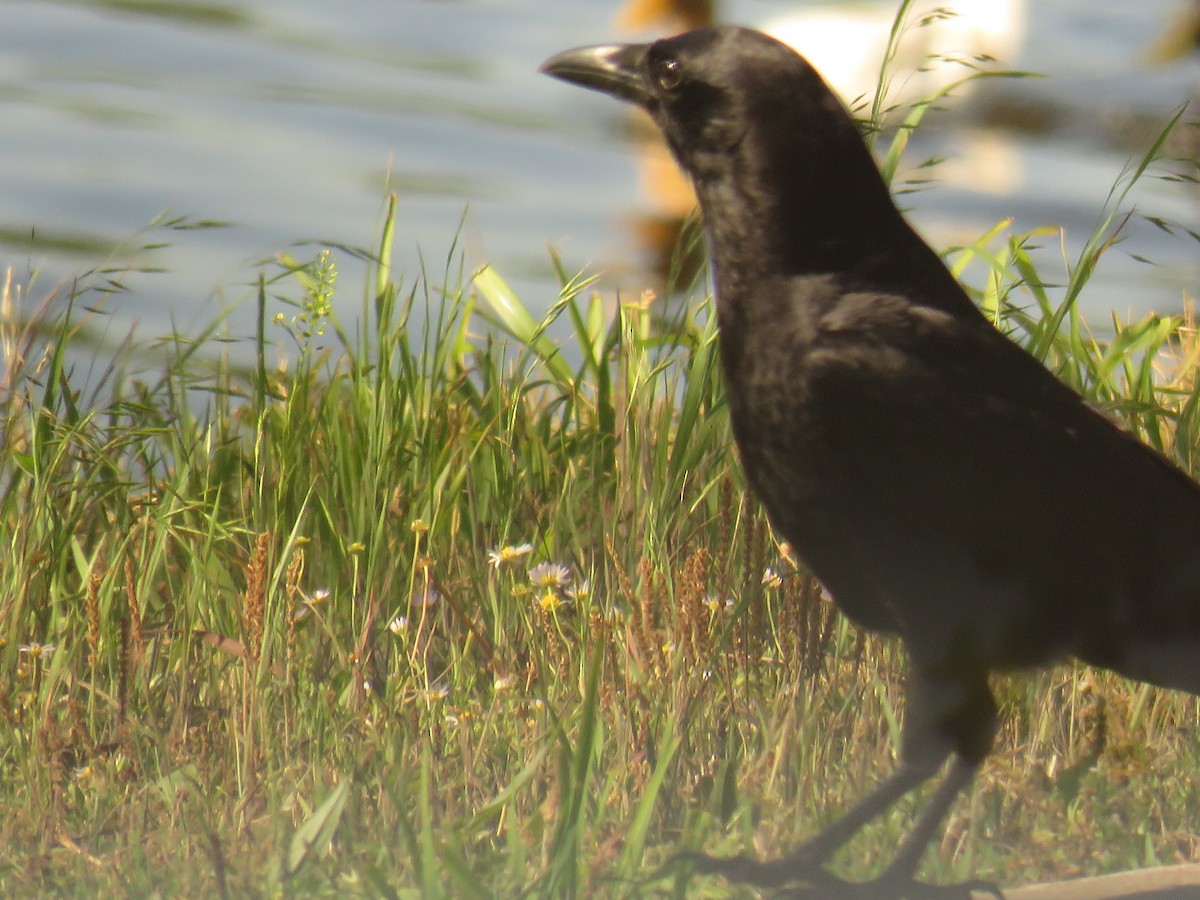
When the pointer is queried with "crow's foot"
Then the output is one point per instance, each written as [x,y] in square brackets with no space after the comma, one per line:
[889,889]
[800,877]
[798,867]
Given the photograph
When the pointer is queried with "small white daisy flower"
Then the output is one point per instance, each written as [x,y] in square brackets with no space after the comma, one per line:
[508,553]
[34,650]
[424,597]
[550,575]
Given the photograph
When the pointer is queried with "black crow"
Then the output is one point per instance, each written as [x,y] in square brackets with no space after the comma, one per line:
[943,485]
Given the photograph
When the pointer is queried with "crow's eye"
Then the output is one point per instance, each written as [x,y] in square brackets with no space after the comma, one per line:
[668,74]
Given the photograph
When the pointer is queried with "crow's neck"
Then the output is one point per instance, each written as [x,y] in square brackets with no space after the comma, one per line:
[789,239]
[772,218]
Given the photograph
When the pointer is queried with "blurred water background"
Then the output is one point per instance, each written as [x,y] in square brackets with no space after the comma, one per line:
[291,121]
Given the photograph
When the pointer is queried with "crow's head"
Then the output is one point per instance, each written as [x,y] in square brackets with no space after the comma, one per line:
[783,176]
[713,89]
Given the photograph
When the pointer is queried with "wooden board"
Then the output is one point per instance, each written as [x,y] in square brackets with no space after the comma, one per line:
[1165,883]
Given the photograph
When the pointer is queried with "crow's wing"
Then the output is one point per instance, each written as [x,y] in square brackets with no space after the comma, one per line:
[961,495]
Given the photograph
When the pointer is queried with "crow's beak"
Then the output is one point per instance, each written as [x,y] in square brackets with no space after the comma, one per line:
[615,69]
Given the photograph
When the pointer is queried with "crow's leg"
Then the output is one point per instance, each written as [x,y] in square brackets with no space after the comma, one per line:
[946,717]
[898,879]
[959,713]
[904,864]
[805,864]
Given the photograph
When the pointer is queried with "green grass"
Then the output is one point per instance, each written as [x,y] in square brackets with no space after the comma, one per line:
[252,643]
